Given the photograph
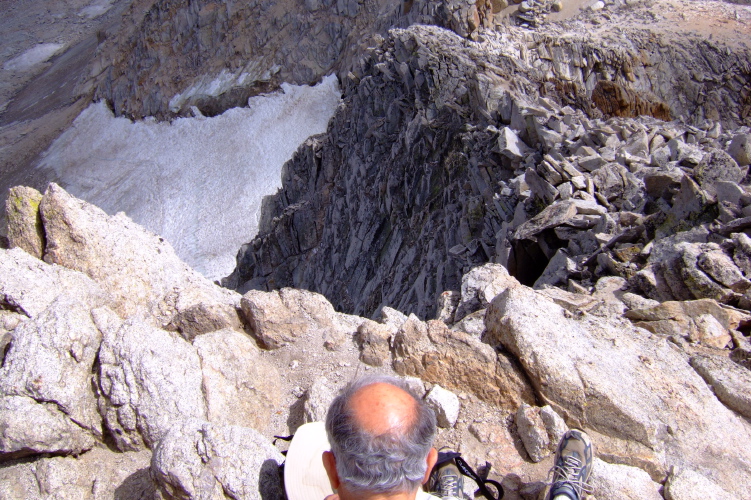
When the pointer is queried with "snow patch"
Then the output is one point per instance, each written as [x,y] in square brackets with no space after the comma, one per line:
[198,182]
[223,82]
[32,57]
[96,9]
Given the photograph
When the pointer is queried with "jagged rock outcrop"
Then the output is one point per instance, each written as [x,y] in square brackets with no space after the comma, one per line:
[448,154]
[123,262]
[425,130]
[78,375]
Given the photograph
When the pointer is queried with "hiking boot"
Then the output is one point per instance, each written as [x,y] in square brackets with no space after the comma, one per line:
[572,466]
[446,481]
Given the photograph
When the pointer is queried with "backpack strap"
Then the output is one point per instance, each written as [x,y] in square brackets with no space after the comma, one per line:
[464,468]
[482,483]
[283,438]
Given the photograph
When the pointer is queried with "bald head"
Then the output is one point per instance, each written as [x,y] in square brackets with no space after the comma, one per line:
[381,435]
[382,408]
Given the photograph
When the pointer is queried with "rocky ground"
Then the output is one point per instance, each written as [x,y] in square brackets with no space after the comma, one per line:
[126,374]
[541,219]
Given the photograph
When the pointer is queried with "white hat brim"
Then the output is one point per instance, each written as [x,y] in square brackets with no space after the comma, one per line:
[304,475]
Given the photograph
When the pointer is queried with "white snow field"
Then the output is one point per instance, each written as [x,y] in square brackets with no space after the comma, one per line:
[198,182]
[30,58]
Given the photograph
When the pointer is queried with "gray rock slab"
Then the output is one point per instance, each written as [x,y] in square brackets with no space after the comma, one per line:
[240,385]
[540,188]
[207,461]
[29,427]
[622,381]
[446,306]
[319,398]
[742,253]
[149,380]
[99,473]
[687,484]
[686,154]
[554,424]
[17,480]
[703,321]
[392,317]
[557,271]
[50,362]
[610,180]
[373,340]
[740,149]
[510,145]
[658,181]
[731,382]
[716,166]
[619,451]
[480,286]
[719,266]
[445,404]
[532,431]
[622,482]
[728,192]
[472,324]
[29,285]
[554,215]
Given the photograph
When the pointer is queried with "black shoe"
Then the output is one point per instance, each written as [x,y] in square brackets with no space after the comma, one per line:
[446,481]
[573,464]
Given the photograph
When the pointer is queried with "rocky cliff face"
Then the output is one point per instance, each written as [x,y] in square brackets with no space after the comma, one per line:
[448,151]
[124,374]
[214,55]
[171,55]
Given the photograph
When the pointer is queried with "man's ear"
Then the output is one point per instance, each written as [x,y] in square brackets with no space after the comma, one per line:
[329,463]
[431,460]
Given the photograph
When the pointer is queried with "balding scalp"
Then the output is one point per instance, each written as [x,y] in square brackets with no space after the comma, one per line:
[380,435]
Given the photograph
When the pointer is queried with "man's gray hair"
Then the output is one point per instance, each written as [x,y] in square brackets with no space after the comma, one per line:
[388,463]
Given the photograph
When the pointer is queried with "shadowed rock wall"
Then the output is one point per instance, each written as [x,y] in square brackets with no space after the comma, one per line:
[370,211]
[445,147]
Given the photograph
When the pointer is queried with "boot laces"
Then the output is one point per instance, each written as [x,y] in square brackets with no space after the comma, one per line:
[448,483]
[570,473]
